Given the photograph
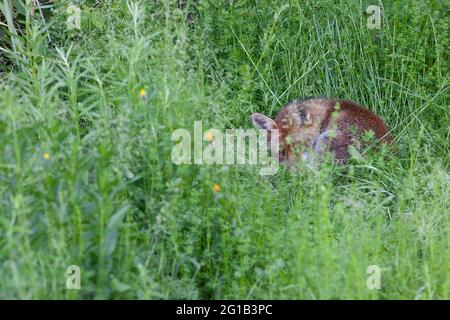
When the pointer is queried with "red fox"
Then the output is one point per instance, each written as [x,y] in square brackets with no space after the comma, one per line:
[310,127]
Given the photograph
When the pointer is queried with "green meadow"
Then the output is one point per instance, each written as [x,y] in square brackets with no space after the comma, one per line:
[87,180]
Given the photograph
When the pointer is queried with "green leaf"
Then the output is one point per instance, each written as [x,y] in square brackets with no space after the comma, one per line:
[111,241]
[117,217]
[20,6]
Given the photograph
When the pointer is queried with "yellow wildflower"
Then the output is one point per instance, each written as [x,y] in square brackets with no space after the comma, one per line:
[216,187]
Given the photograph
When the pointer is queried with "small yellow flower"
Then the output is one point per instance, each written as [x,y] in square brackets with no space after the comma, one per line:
[216,187]
[209,136]
[46,156]
[142,93]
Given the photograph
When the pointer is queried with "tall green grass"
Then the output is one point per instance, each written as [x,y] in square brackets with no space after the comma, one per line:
[86,177]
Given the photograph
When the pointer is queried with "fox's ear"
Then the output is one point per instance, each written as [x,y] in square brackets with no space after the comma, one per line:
[308,119]
[304,117]
[261,121]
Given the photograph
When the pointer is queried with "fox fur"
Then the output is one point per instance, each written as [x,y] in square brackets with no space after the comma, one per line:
[312,127]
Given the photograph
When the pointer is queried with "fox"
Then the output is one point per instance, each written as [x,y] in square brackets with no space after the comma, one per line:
[309,128]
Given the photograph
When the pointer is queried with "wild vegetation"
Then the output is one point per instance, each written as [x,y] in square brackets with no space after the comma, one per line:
[86,177]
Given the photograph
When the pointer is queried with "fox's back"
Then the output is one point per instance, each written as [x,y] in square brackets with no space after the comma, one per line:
[350,114]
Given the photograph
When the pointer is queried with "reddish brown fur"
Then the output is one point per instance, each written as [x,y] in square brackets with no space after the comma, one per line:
[323,124]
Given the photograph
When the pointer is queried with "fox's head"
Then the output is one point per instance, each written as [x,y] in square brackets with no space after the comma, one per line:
[295,127]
